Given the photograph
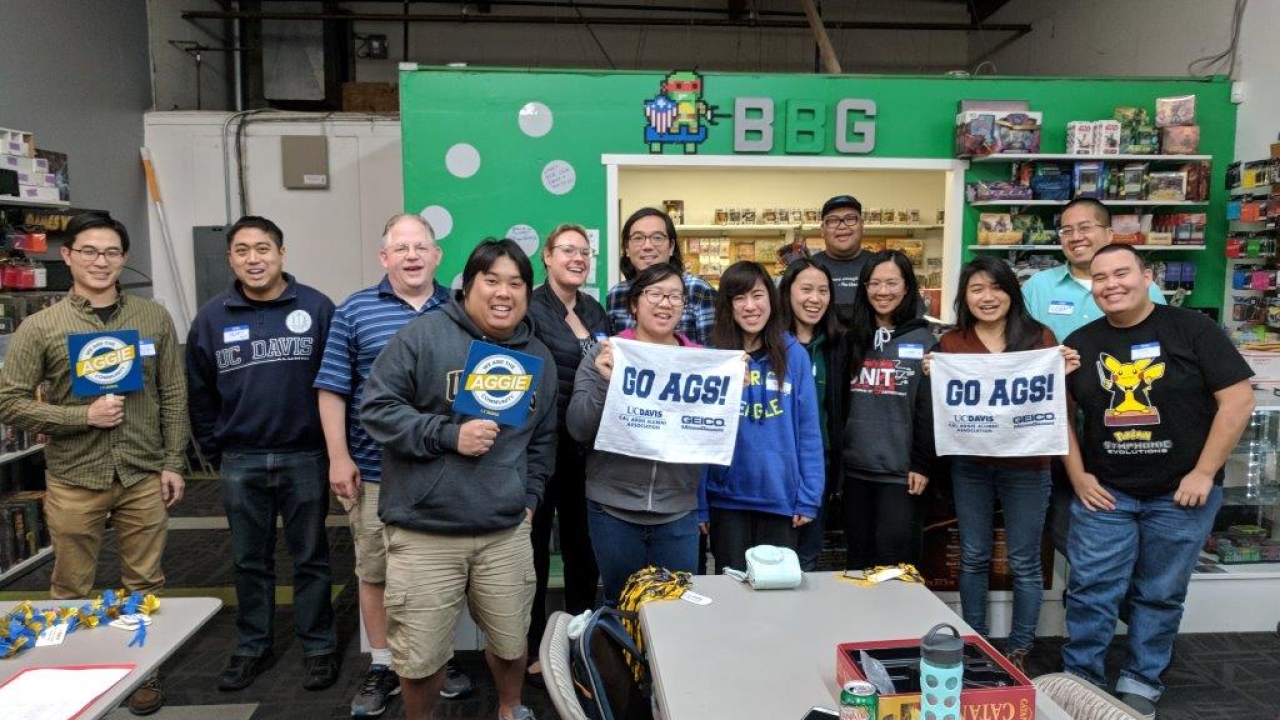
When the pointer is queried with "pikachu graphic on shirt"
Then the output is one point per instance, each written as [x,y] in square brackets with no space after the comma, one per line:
[1130,386]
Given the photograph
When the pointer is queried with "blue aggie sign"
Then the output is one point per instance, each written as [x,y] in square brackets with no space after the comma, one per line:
[104,362]
[497,384]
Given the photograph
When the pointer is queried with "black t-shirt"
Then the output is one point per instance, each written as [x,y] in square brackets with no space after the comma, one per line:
[844,277]
[1146,396]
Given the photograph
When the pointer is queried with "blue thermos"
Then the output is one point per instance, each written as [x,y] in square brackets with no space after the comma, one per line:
[941,667]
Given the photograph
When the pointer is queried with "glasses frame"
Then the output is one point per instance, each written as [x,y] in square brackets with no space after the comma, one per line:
[638,240]
[669,297]
[90,255]
[1072,231]
[836,221]
[584,253]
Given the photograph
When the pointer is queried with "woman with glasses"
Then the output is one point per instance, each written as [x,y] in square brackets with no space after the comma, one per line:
[649,238]
[887,444]
[640,512]
[773,486]
[805,294]
[991,318]
[569,323]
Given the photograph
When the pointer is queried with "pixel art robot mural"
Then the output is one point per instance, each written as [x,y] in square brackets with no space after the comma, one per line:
[676,116]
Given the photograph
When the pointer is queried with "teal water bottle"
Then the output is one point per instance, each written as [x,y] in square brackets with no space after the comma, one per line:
[941,667]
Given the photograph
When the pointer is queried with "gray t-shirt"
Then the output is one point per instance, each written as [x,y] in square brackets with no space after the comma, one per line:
[844,276]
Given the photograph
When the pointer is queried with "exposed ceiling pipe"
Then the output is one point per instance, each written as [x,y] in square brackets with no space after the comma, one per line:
[830,63]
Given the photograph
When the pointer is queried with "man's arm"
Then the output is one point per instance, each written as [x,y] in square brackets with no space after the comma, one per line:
[344,476]
[1235,406]
[23,371]
[174,426]
[388,412]
[204,402]
[541,453]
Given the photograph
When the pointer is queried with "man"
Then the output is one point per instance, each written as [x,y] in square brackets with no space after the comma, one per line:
[109,455]
[1061,298]
[842,254]
[252,355]
[458,493]
[361,327]
[1167,401]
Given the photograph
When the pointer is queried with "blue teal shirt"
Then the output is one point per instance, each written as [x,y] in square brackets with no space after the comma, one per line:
[1055,299]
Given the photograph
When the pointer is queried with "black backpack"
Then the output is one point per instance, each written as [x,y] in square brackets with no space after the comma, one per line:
[607,686]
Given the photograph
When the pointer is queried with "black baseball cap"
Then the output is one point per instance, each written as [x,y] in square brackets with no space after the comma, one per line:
[841,201]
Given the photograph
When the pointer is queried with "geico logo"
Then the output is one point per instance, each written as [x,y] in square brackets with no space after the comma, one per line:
[98,363]
[480,381]
[709,421]
[1037,417]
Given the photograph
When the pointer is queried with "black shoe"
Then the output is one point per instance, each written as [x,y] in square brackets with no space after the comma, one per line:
[240,672]
[456,682]
[322,671]
[380,685]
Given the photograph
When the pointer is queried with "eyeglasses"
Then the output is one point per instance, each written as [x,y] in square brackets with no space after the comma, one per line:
[831,223]
[1082,229]
[91,254]
[418,249]
[655,297]
[890,285]
[639,239]
[585,253]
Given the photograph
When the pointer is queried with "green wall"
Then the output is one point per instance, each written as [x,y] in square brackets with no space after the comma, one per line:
[597,113]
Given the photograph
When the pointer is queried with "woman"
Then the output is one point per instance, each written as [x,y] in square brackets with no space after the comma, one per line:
[805,304]
[991,318]
[640,512]
[773,485]
[649,238]
[887,443]
[569,323]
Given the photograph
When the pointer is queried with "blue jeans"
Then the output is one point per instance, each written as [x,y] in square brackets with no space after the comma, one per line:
[623,547]
[1024,496]
[1152,540]
[255,488]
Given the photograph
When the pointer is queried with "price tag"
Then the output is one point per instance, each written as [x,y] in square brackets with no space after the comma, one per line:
[53,635]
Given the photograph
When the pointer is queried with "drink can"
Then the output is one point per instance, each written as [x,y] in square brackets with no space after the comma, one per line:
[858,701]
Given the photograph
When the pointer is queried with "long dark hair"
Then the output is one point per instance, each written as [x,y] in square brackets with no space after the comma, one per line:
[864,325]
[629,270]
[1021,331]
[738,279]
[828,325]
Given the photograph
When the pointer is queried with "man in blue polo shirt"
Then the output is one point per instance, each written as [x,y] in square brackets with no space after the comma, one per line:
[1062,299]
[362,326]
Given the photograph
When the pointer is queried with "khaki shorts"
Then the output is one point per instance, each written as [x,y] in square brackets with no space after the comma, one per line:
[366,534]
[430,576]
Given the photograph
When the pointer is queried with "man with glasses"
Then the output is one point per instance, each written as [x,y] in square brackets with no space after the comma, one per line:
[252,355]
[842,255]
[1061,298]
[361,327]
[117,456]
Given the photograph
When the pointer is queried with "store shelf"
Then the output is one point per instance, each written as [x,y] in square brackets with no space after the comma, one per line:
[698,230]
[1063,157]
[1109,202]
[27,564]
[21,202]
[11,456]
[1245,571]
[1055,247]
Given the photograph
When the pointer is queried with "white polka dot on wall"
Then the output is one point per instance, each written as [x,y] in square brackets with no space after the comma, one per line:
[440,220]
[457,282]
[526,237]
[558,177]
[535,119]
[462,160]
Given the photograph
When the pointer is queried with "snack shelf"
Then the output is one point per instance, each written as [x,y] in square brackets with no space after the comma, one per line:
[13,200]
[1056,247]
[1109,202]
[11,456]
[807,228]
[1064,157]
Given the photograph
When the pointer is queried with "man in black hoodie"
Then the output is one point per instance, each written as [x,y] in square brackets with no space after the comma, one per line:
[458,493]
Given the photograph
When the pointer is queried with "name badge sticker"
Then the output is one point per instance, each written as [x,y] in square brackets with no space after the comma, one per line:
[1144,351]
[1061,307]
[235,333]
[146,348]
[911,351]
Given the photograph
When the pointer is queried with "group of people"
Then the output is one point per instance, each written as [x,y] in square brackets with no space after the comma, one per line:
[292,397]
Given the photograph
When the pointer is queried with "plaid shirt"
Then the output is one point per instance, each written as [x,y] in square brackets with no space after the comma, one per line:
[695,322]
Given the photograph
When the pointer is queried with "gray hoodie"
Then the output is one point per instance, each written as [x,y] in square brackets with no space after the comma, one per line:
[408,409]
[645,492]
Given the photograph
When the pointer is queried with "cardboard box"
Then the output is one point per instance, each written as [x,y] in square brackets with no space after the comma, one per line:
[23,164]
[17,142]
[1080,137]
[370,97]
[1107,137]
[38,193]
[1180,139]
[37,179]
[975,134]
[1018,132]
[1014,702]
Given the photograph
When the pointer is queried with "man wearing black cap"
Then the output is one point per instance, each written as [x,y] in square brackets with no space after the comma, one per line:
[842,256]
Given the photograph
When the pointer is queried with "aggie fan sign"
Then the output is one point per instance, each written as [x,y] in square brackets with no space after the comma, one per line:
[1002,405]
[672,404]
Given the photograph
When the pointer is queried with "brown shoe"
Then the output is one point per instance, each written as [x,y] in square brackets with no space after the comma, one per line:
[148,698]
[1019,660]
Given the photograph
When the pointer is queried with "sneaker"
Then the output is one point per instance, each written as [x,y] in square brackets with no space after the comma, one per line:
[380,685]
[519,712]
[322,671]
[148,698]
[456,682]
[240,672]
[1144,706]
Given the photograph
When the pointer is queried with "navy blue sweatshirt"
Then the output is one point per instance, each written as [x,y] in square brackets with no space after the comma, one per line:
[250,366]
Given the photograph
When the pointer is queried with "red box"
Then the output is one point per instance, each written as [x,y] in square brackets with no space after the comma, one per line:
[1015,702]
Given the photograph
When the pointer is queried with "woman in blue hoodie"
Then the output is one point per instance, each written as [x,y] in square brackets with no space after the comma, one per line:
[888,452]
[774,484]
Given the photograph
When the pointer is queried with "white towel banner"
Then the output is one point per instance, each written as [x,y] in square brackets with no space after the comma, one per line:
[673,404]
[1003,405]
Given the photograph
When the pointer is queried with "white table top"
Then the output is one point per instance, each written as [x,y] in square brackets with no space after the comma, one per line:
[772,654]
[176,621]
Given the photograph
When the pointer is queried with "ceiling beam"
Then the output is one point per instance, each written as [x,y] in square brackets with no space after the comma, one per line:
[980,10]
[830,63]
